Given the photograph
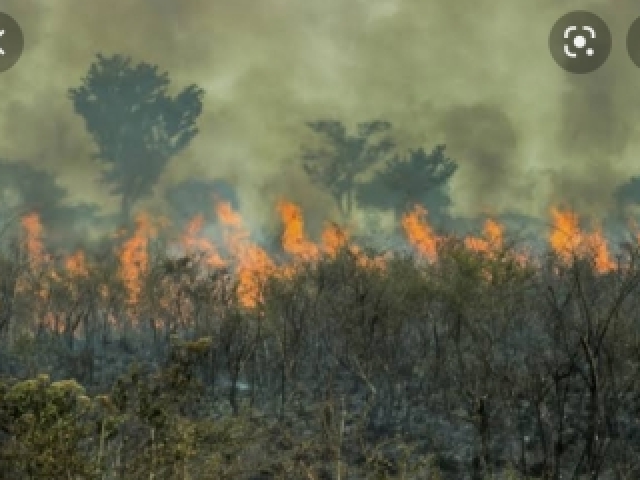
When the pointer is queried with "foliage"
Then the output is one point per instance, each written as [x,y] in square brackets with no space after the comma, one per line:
[337,165]
[25,189]
[402,369]
[137,126]
[48,423]
[419,178]
[628,193]
[29,189]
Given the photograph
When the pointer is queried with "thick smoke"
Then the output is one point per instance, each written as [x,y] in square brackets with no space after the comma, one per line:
[478,77]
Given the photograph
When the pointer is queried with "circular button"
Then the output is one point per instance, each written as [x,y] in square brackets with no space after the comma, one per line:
[580,42]
[11,42]
[633,42]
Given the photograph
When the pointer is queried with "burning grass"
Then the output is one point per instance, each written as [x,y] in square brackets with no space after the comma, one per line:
[247,266]
[334,350]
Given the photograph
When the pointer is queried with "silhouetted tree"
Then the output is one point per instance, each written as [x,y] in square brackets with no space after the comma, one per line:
[420,177]
[337,169]
[629,193]
[193,197]
[25,189]
[134,122]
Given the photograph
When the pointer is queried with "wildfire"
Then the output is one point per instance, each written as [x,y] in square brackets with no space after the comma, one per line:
[252,265]
[76,264]
[493,238]
[568,241]
[419,233]
[294,241]
[334,238]
[194,243]
[33,242]
[134,259]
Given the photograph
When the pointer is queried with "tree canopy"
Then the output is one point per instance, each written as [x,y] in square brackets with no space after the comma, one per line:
[25,189]
[337,166]
[137,126]
[418,177]
[629,193]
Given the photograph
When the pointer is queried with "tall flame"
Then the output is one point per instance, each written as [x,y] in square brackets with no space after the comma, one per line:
[294,240]
[134,259]
[419,233]
[569,241]
[33,241]
[254,266]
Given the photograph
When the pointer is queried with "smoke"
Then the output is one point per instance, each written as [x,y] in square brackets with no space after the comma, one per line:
[486,140]
[477,76]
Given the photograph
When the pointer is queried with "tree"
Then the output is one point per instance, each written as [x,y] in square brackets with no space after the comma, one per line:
[349,156]
[135,124]
[193,197]
[420,177]
[628,193]
[25,189]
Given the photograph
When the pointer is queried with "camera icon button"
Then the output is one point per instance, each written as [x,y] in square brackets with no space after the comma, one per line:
[11,42]
[633,42]
[580,42]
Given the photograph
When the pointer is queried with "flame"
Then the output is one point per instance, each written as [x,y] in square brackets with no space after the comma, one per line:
[333,239]
[568,241]
[492,240]
[253,264]
[566,237]
[419,233]
[602,257]
[40,284]
[294,241]
[76,264]
[228,216]
[33,241]
[134,259]
[193,243]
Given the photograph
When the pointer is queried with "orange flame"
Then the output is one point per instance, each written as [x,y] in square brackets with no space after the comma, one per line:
[134,259]
[568,241]
[76,264]
[419,233]
[294,240]
[492,241]
[193,243]
[34,234]
[334,238]
[254,266]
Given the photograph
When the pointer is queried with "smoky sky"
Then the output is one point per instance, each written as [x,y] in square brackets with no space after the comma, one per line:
[477,76]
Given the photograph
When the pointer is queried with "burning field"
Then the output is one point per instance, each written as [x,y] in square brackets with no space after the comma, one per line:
[322,353]
[251,265]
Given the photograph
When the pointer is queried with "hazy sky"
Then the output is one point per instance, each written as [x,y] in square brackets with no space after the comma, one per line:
[476,75]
